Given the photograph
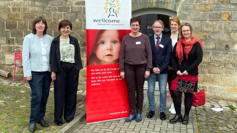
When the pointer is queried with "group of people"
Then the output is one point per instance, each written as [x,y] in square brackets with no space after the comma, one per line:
[46,59]
[157,57]
[163,58]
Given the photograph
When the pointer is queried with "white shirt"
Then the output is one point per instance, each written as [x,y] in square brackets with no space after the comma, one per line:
[44,63]
[174,42]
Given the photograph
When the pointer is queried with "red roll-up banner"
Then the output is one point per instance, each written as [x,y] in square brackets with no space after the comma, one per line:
[107,22]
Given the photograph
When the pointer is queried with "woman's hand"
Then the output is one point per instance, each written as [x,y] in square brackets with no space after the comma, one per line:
[170,68]
[179,73]
[28,78]
[147,74]
[122,74]
[53,76]
[185,73]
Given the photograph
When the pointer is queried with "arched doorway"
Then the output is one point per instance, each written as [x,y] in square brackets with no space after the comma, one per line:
[148,16]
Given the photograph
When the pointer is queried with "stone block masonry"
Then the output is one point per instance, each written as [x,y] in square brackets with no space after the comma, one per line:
[16,21]
[214,23]
[218,34]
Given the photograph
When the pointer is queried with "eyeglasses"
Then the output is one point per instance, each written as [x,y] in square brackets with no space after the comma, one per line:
[185,30]
[157,27]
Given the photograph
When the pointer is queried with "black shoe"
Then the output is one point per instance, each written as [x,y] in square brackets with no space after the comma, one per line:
[150,114]
[177,118]
[43,123]
[185,120]
[68,121]
[32,127]
[162,116]
[59,123]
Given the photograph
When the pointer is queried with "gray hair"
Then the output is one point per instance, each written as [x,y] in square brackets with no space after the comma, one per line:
[160,21]
[180,30]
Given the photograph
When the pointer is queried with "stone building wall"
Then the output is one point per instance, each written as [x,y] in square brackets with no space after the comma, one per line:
[16,18]
[214,23]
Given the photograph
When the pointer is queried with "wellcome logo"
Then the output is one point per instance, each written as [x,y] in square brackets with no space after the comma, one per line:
[112,8]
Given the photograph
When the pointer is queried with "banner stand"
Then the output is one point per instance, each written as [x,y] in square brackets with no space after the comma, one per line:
[107,22]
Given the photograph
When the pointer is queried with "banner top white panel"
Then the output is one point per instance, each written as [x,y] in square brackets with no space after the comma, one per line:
[108,14]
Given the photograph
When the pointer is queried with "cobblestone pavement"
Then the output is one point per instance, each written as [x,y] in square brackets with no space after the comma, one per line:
[201,120]
[154,125]
[216,122]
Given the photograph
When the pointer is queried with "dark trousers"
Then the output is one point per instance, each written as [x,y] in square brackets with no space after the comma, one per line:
[39,84]
[134,76]
[65,91]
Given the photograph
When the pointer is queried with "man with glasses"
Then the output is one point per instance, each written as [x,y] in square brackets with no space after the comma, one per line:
[161,52]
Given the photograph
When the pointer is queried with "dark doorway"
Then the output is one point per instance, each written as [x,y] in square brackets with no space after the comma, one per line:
[147,21]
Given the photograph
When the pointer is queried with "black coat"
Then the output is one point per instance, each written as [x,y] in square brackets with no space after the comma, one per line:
[190,64]
[55,54]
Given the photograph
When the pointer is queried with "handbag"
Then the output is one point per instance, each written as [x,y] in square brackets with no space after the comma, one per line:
[199,98]
[184,83]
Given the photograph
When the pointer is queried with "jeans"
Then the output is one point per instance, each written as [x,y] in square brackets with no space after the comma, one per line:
[162,79]
[39,85]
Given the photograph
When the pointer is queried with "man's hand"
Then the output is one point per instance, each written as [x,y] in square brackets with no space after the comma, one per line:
[156,70]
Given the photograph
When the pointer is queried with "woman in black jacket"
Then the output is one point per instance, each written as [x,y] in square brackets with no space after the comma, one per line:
[65,62]
[186,57]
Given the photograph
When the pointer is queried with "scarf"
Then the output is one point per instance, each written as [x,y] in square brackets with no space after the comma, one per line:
[187,48]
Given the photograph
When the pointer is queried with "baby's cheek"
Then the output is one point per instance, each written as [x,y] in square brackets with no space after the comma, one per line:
[117,54]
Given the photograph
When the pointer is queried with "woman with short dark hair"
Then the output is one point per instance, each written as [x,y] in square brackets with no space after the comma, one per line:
[35,55]
[135,63]
[65,62]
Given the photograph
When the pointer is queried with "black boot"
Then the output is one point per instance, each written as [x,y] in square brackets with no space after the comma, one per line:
[43,123]
[177,118]
[185,120]
[32,127]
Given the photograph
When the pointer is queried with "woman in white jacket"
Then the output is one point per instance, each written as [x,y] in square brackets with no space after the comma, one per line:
[35,55]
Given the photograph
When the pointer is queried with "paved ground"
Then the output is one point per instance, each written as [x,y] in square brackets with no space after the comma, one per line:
[154,125]
[216,122]
[201,120]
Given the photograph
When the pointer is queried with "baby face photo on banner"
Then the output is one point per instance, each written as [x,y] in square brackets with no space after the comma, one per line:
[107,22]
